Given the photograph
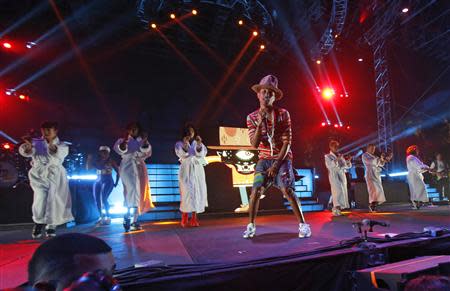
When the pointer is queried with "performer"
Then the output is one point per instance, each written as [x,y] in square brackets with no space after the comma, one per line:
[134,149]
[48,178]
[373,166]
[337,165]
[104,185]
[270,132]
[441,169]
[191,153]
[417,188]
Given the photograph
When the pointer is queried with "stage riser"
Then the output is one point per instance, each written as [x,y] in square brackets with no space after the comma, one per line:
[394,192]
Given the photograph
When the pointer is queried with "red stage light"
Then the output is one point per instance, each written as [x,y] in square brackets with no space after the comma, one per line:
[323,124]
[255,33]
[336,125]
[7,45]
[348,126]
[318,62]
[22,97]
[262,47]
[328,93]
[6,146]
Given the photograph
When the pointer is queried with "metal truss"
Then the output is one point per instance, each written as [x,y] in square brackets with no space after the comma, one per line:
[334,29]
[383,96]
[377,36]
[427,31]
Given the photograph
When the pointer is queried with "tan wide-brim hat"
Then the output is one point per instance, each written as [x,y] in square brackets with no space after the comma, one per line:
[269,82]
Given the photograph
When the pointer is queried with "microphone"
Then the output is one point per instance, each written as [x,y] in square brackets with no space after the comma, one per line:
[371,223]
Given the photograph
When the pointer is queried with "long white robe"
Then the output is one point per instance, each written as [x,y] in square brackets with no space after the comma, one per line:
[52,204]
[133,172]
[373,166]
[417,188]
[338,181]
[191,177]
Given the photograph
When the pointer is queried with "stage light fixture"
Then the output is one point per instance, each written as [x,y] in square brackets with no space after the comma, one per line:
[318,62]
[6,146]
[328,93]
[348,126]
[23,97]
[30,45]
[172,16]
[153,25]
[336,125]
[7,45]
[323,124]
[262,47]
[241,22]
[360,60]
[405,10]
[255,33]
[336,36]
[194,12]
[10,92]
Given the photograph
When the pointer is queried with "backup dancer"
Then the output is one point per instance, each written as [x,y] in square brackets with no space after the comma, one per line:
[105,184]
[337,165]
[270,132]
[191,153]
[416,167]
[134,149]
[52,205]
[374,166]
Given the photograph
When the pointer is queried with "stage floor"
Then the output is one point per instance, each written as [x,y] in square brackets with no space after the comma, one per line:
[219,240]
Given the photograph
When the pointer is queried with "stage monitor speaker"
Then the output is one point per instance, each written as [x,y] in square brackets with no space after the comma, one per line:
[394,276]
[394,192]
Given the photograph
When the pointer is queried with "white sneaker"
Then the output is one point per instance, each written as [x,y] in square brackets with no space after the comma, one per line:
[250,232]
[242,209]
[304,230]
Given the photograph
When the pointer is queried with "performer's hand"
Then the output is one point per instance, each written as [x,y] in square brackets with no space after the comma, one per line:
[52,148]
[124,142]
[186,140]
[261,116]
[198,139]
[144,137]
[273,171]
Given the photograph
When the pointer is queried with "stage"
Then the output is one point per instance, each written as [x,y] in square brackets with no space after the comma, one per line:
[218,240]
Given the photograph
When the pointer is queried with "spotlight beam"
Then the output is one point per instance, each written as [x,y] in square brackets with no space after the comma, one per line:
[84,66]
[237,83]
[218,59]
[224,79]
[185,59]
[24,19]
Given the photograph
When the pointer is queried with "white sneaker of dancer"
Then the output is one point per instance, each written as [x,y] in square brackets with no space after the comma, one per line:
[250,231]
[304,230]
